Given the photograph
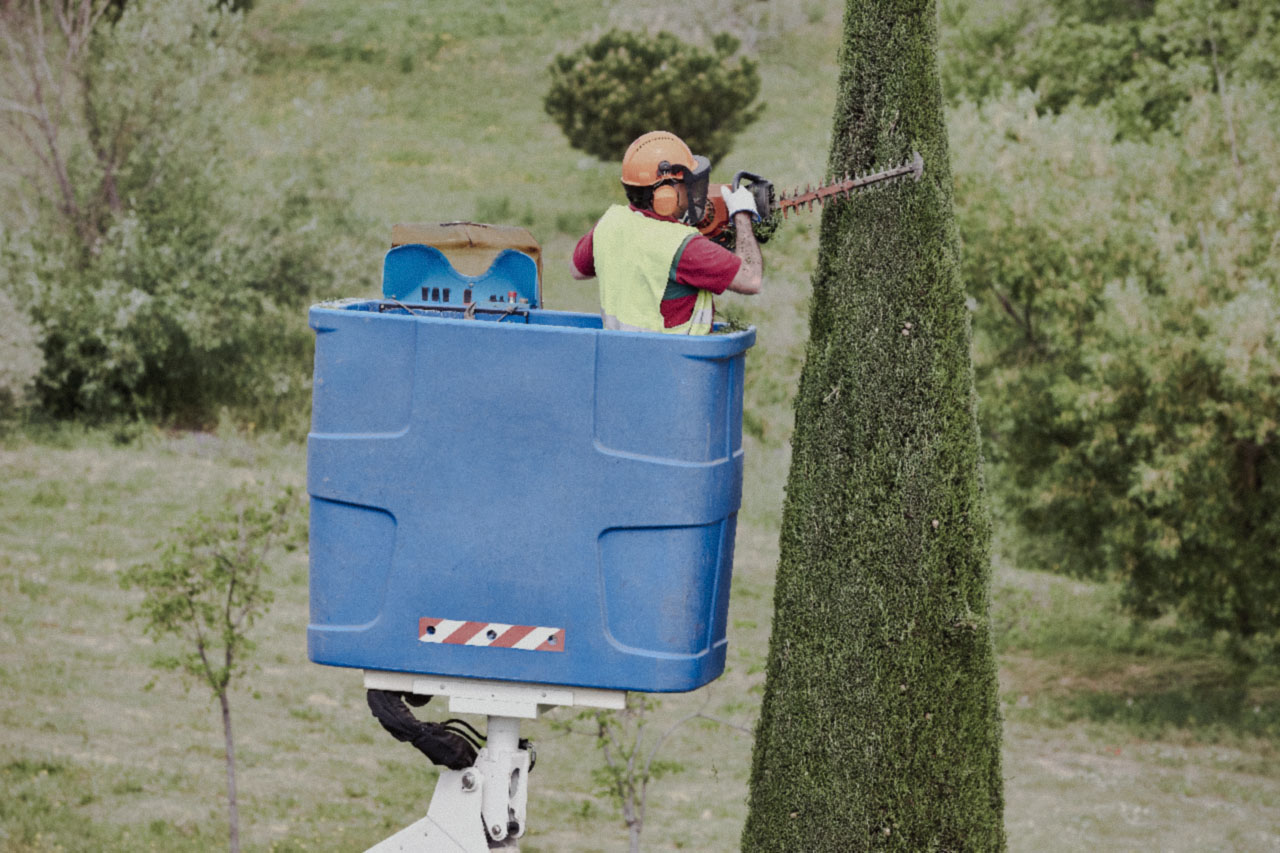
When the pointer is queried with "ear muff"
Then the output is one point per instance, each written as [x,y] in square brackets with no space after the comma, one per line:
[666,201]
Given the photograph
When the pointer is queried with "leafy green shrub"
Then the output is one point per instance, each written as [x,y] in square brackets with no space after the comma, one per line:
[20,358]
[608,92]
[1142,60]
[1128,328]
[163,288]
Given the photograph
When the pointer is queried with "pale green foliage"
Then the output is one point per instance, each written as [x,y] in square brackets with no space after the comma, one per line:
[115,116]
[157,90]
[208,587]
[1118,205]
[1139,59]
[1128,326]
[162,286]
[20,357]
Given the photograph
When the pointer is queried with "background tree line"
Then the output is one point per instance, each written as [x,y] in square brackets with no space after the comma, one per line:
[1116,166]
[1118,194]
[143,276]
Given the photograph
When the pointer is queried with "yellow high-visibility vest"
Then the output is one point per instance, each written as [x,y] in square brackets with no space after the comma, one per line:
[635,256]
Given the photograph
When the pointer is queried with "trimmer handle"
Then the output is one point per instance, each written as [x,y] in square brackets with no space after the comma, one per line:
[761,189]
[716,223]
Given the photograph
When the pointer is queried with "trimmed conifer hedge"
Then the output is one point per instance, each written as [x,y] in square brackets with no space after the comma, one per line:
[880,725]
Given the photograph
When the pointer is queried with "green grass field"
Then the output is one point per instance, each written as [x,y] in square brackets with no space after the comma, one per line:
[1116,738]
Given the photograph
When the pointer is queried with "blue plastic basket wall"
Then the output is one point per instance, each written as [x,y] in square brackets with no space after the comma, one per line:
[522,496]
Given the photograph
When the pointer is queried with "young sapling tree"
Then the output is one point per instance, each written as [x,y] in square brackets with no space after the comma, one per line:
[208,589]
[630,753]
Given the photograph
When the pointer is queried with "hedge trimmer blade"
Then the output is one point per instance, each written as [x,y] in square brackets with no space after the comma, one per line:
[849,185]
[718,225]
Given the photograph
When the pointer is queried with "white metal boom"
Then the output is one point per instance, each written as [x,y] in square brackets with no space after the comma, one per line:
[483,807]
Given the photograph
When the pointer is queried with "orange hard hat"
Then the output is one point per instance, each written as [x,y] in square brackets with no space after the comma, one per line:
[660,159]
[642,165]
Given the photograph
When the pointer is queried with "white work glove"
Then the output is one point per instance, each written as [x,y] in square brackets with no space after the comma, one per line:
[739,201]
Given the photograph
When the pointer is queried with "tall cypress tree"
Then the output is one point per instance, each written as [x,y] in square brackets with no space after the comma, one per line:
[880,725]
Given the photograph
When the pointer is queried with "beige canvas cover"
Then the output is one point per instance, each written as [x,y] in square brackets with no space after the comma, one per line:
[470,246]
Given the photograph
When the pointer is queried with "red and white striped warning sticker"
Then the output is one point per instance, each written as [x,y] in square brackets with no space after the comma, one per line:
[494,635]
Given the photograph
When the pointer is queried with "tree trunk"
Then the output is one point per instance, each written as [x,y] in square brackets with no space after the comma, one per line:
[880,724]
[233,808]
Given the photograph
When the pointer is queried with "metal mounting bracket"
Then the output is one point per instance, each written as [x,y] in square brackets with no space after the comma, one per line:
[483,807]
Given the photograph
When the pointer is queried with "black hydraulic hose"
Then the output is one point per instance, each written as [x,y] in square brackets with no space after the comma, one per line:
[466,730]
[438,742]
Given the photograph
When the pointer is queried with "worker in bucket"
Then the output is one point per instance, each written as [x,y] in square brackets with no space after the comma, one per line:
[656,272]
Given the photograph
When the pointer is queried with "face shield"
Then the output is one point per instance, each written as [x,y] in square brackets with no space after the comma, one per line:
[695,182]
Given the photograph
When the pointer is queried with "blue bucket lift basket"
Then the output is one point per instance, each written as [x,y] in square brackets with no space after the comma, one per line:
[521,495]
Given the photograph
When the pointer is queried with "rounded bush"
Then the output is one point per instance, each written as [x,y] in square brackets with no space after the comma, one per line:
[606,93]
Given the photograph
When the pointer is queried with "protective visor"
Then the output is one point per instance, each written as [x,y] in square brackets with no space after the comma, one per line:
[695,182]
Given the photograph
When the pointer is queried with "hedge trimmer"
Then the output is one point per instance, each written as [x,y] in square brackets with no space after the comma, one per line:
[773,209]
